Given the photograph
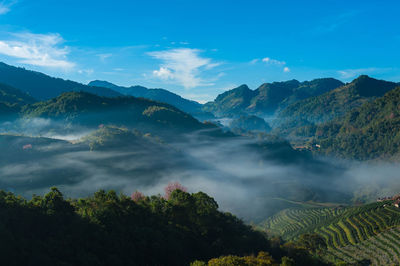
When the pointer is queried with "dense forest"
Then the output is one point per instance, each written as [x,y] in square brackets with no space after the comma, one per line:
[109,229]
[368,132]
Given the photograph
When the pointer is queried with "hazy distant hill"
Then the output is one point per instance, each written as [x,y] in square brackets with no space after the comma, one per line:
[160,95]
[269,97]
[249,123]
[42,87]
[368,132]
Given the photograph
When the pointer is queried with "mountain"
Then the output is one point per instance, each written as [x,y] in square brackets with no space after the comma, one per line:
[89,110]
[268,98]
[231,103]
[11,100]
[368,132]
[249,123]
[12,95]
[337,102]
[43,87]
[160,95]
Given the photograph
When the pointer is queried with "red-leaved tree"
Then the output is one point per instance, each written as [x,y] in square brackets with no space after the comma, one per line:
[172,187]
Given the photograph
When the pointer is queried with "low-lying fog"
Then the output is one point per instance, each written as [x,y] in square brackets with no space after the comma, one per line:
[250,184]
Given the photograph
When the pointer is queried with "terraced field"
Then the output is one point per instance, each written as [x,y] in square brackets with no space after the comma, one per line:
[382,249]
[291,223]
[369,232]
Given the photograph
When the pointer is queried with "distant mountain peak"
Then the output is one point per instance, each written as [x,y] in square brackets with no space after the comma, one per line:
[370,87]
[160,95]
[102,83]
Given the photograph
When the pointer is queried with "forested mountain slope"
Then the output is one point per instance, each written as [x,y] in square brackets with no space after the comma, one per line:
[368,132]
[339,101]
[43,87]
[268,98]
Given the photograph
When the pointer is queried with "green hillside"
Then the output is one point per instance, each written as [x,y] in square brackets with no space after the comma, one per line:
[369,132]
[109,138]
[12,95]
[231,103]
[362,228]
[339,101]
[382,249]
[268,98]
[11,100]
[249,123]
[82,108]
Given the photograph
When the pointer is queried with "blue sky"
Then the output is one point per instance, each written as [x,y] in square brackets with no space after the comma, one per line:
[199,49]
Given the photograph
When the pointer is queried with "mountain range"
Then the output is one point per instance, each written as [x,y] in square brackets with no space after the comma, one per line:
[42,87]
[367,132]
[341,118]
[337,102]
[268,98]
[160,95]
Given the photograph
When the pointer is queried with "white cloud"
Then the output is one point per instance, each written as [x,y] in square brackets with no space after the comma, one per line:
[201,98]
[252,62]
[86,71]
[183,66]
[37,49]
[5,6]
[163,73]
[352,73]
[103,57]
[273,61]
[286,69]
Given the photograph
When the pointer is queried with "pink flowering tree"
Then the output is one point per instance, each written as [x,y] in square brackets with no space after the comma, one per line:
[137,196]
[27,147]
[172,187]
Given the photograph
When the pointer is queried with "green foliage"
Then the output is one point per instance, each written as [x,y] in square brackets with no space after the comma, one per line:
[111,229]
[312,242]
[11,95]
[11,101]
[111,137]
[230,103]
[369,132]
[337,102]
[262,259]
[286,261]
[85,109]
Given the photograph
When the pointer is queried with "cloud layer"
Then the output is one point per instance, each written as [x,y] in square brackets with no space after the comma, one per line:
[37,49]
